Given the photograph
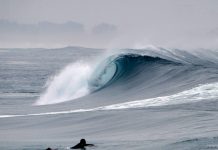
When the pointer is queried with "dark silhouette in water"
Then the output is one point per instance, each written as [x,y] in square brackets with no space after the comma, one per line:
[81,145]
[51,149]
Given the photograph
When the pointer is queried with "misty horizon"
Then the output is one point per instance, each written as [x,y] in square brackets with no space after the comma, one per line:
[58,34]
[109,24]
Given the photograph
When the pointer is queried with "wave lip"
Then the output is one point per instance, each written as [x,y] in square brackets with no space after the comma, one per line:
[102,75]
[117,66]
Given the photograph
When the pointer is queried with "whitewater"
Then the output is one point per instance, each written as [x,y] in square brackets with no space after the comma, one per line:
[150,98]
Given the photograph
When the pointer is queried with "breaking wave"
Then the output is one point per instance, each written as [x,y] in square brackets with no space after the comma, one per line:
[134,74]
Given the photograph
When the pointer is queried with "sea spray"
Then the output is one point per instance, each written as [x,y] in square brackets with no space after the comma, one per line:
[70,83]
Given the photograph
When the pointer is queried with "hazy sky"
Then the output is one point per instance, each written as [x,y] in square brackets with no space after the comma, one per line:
[139,22]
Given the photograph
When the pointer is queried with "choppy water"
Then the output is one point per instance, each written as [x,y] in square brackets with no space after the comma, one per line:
[129,99]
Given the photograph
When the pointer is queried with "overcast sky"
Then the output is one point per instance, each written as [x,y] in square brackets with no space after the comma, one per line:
[175,23]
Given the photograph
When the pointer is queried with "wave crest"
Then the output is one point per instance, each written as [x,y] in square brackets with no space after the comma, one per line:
[142,70]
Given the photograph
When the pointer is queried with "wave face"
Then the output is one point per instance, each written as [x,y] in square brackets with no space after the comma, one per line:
[134,75]
[121,66]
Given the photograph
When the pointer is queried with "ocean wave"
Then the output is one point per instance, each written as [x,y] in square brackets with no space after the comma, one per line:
[143,70]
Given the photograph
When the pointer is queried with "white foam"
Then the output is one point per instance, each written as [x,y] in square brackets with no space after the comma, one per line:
[47,113]
[77,80]
[202,92]
[70,84]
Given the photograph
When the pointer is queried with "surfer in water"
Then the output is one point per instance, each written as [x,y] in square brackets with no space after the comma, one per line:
[81,145]
[49,148]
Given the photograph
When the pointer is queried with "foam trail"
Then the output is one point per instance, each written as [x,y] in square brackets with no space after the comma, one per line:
[70,84]
[202,92]
[47,113]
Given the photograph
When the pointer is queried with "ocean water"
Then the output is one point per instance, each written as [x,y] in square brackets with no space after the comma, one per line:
[130,99]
